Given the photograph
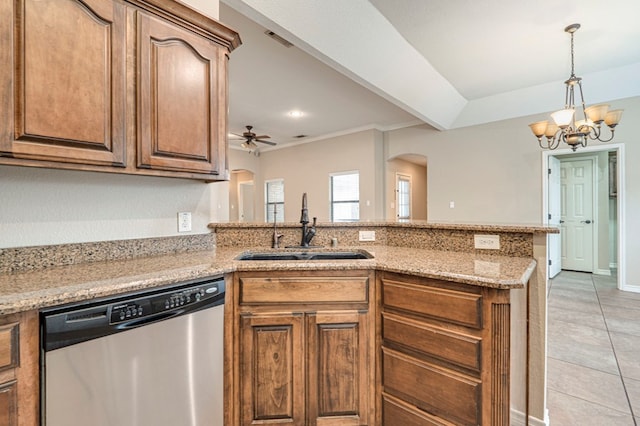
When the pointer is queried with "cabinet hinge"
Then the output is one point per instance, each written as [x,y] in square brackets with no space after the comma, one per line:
[548,171]
[549,216]
[550,262]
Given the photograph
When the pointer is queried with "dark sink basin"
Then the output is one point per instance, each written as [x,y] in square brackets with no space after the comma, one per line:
[306,255]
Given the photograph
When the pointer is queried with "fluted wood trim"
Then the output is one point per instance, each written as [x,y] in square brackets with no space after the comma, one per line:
[500,363]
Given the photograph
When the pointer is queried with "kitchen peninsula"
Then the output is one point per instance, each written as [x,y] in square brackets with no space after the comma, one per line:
[412,262]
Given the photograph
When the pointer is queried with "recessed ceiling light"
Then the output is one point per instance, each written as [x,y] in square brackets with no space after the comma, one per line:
[295,113]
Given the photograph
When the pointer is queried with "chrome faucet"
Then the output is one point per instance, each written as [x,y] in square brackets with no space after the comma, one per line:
[307,233]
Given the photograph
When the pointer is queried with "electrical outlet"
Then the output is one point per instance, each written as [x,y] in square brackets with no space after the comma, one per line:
[367,235]
[184,221]
[487,242]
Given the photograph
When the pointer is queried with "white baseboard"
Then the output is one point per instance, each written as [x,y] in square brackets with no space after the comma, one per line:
[631,288]
[517,419]
[606,272]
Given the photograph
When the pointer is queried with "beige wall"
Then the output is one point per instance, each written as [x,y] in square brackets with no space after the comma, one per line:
[493,173]
[306,168]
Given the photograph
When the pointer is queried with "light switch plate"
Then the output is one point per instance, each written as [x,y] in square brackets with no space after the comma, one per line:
[367,235]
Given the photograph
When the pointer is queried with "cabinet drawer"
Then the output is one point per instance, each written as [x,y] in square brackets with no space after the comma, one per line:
[439,391]
[460,349]
[397,412]
[449,305]
[304,290]
[9,346]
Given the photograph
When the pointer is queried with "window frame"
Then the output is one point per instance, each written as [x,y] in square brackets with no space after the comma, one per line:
[332,203]
[268,205]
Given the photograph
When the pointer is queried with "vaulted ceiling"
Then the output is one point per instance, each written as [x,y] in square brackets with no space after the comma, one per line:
[386,64]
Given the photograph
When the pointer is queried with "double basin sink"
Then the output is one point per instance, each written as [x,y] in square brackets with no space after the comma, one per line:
[306,255]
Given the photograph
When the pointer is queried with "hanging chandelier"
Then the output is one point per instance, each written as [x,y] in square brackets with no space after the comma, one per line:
[564,127]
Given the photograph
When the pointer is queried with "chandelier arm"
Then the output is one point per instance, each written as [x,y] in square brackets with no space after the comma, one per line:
[584,108]
[607,140]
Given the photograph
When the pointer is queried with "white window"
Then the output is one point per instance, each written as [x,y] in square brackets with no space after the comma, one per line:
[403,197]
[345,197]
[274,200]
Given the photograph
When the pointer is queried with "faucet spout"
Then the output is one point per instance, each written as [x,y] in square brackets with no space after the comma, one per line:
[307,233]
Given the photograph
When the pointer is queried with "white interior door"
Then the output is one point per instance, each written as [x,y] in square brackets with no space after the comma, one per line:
[554,241]
[576,177]
[403,197]
[245,202]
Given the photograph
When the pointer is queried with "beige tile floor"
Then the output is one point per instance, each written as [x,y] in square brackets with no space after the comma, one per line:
[593,352]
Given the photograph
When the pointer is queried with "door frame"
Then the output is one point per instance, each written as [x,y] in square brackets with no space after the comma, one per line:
[620,200]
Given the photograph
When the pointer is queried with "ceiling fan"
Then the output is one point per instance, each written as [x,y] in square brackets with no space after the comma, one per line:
[251,138]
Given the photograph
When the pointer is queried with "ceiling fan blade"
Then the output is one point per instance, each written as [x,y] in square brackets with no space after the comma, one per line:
[267,142]
[262,137]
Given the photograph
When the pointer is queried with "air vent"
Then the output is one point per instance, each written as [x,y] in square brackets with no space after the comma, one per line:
[300,136]
[279,39]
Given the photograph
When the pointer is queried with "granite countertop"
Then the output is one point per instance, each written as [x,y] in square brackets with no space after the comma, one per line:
[64,284]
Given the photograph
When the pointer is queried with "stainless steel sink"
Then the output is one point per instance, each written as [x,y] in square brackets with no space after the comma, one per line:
[306,255]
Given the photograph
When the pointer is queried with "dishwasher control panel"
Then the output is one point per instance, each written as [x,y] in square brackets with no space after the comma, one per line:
[163,302]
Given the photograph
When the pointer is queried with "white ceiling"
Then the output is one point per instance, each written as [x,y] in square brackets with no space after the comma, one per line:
[386,64]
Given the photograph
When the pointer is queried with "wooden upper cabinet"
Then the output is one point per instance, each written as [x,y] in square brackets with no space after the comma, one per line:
[69,82]
[120,86]
[181,99]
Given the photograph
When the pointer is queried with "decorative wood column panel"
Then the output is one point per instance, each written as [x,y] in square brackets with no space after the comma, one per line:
[69,76]
[500,363]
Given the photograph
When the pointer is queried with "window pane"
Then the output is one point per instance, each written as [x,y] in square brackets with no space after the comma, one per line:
[346,212]
[404,198]
[345,197]
[274,197]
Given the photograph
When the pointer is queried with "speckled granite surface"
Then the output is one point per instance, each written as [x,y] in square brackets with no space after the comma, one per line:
[21,291]
[39,257]
[515,240]
[37,277]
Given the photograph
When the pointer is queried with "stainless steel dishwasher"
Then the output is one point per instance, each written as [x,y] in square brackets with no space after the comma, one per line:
[150,358]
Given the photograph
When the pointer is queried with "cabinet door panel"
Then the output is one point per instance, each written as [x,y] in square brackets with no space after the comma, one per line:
[70,82]
[8,404]
[181,102]
[272,375]
[338,374]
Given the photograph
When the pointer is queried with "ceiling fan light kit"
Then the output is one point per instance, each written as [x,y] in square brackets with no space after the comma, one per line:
[250,139]
[564,127]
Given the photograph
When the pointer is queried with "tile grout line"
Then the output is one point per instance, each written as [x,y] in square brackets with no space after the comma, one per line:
[613,348]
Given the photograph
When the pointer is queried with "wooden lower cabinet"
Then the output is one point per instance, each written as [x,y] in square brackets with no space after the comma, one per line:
[19,378]
[305,348]
[445,355]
